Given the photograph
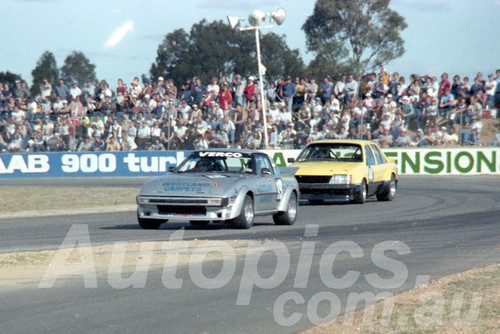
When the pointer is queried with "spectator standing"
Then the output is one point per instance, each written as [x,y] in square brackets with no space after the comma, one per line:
[62,90]
[225,98]
[446,103]
[301,90]
[249,91]
[135,89]
[89,90]
[476,87]
[198,92]
[45,90]
[75,91]
[171,91]
[159,88]
[289,92]
[326,89]
[490,88]
[444,85]
[312,89]
[340,87]
[237,89]
[143,136]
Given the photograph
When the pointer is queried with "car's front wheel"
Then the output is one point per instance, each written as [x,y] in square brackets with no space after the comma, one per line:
[360,197]
[245,218]
[149,224]
[391,192]
[287,217]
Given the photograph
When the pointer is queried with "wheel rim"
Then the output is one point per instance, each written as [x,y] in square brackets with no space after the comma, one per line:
[392,188]
[248,210]
[363,190]
[292,207]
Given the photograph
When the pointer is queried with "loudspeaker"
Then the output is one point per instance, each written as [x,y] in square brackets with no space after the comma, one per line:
[256,18]
[233,21]
[279,16]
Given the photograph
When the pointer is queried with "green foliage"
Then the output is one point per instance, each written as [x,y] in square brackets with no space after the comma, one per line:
[9,77]
[357,35]
[278,58]
[214,50]
[46,68]
[77,67]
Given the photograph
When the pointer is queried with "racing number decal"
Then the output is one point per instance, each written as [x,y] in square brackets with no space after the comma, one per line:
[370,174]
[279,185]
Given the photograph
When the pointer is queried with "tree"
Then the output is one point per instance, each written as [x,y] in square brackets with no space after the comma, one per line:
[358,35]
[9,77]
[278,58]
[77,67]
[46,68]
[214,49]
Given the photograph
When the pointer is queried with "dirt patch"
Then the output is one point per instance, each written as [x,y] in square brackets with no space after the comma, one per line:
[467,302]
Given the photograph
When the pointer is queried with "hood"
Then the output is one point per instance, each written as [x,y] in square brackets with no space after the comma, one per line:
[191,184]
[326,167]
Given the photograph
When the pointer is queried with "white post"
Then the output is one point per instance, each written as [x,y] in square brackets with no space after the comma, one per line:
[262,97]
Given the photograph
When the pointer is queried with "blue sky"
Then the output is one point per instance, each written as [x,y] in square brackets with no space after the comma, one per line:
[121,37]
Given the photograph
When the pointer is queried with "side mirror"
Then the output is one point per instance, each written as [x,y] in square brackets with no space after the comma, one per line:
[291,160]
[171,169]
[265,171]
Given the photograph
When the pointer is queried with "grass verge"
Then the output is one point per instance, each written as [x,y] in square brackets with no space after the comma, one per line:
[27,199]
[467,302]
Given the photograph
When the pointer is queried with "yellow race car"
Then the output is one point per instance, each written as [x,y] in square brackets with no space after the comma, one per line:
[348,170]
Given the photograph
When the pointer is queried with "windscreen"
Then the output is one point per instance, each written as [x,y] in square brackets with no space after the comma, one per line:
[217,162]
[332,152]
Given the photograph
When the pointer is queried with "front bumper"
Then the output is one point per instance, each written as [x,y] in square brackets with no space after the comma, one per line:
[323,191]
[184,208]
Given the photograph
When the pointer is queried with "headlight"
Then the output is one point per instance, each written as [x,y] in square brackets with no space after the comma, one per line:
[341,179]
[142,200]
[218,201]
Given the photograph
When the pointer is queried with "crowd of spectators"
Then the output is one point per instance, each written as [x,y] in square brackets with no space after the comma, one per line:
[228,113]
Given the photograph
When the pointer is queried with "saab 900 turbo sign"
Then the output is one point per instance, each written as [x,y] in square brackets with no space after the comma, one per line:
[428,161]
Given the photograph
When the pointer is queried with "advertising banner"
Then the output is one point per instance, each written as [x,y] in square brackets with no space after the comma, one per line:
[428,161]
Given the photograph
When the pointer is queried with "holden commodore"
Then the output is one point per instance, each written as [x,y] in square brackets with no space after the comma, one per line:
[348,170]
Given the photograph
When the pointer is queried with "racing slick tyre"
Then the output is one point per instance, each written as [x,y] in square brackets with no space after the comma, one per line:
[149,224]
[287,217]
[361,195]
[391,192]
[199,223]
[316,201]
[245,218]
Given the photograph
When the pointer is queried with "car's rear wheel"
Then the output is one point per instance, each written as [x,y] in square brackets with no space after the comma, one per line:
[361,195]
[287,217]
[199,223]
[391,192]
[149,224]
[246,216]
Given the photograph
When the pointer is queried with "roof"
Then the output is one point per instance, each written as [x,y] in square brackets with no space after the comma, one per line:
[342,141]
[239,150]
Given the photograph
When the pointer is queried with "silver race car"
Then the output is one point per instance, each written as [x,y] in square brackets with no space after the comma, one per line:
[220,185]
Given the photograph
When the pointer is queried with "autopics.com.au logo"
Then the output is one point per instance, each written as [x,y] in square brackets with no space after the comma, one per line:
[181,260]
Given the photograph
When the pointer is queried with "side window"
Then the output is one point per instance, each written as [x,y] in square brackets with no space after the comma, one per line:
[263,162]
[370,160]
[378,155]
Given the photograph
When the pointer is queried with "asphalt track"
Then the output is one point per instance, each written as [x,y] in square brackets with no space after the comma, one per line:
[436,226]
